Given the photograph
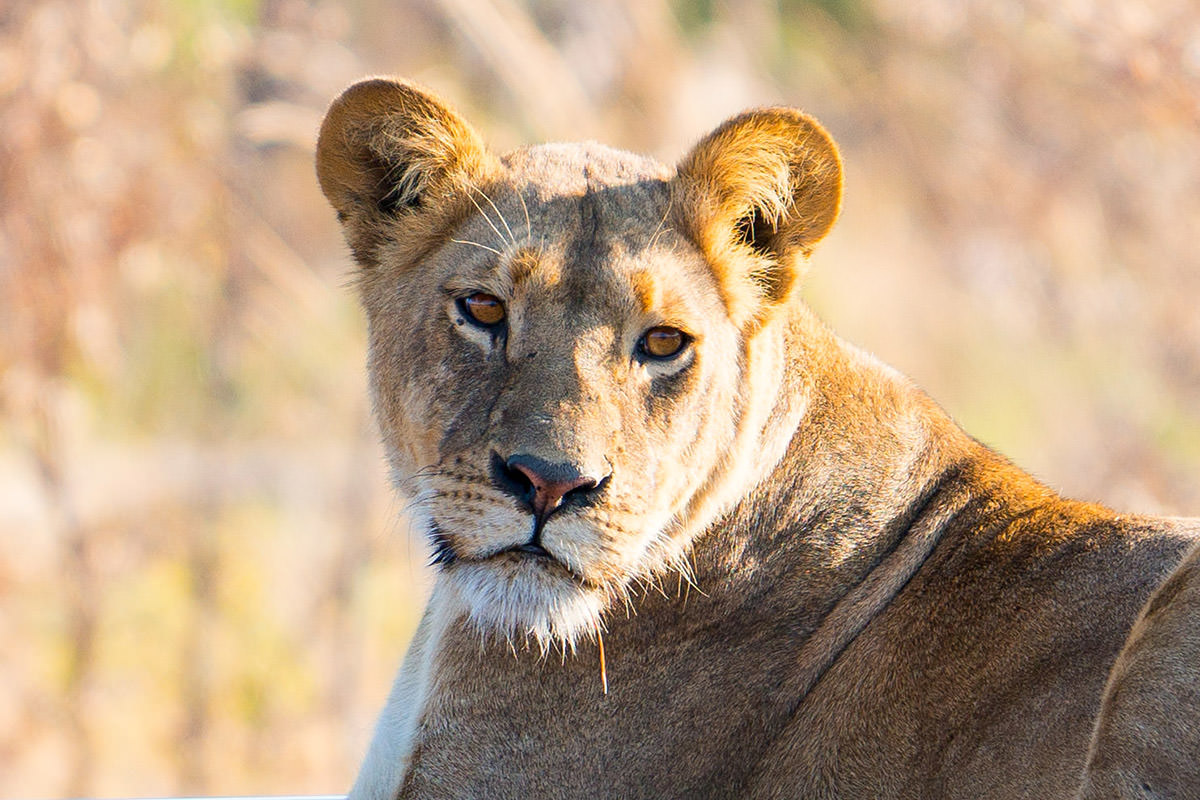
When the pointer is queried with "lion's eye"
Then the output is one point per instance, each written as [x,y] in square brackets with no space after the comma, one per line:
[483,309]
[663,342]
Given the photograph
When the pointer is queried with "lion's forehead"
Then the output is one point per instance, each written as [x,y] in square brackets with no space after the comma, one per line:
[583,191]
[608,283]
[577,167]
[587,228]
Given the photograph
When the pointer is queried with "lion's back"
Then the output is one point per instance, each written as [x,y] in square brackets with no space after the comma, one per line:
[985,674]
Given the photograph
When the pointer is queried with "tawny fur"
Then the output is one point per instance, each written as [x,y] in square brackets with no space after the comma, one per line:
[809,581]
[1147,738]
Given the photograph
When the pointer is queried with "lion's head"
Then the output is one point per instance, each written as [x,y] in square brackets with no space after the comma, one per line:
[575,353]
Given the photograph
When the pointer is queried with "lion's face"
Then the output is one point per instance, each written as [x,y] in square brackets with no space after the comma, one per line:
[560,344]
[573,366]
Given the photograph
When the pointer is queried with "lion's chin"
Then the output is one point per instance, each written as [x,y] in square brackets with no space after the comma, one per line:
[521,596]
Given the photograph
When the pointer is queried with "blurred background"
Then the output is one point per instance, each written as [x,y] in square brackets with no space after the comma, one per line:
[205,585]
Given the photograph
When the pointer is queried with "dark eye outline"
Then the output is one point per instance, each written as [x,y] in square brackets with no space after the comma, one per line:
[685,341]
[465,309]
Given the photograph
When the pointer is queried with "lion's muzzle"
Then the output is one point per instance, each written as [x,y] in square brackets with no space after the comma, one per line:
[543,487]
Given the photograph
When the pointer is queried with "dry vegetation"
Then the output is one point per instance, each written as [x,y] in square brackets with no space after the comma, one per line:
[204,586]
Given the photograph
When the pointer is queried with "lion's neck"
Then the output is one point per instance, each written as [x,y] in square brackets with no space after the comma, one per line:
[862,461]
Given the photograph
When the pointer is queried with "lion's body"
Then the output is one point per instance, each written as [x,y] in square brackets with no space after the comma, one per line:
[810,582]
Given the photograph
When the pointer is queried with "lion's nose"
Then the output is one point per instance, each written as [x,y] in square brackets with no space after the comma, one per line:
[542,485]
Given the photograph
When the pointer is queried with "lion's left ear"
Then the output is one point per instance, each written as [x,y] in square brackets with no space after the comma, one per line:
[757,194]
[392,159]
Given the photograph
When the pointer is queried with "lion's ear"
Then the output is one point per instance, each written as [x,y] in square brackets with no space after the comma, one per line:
[757,194]
[388,154]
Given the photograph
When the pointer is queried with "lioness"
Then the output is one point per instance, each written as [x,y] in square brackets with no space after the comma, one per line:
[691,544]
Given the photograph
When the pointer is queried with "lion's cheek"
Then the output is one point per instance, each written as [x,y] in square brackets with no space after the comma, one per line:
[401,413]
[591,546]
[403,404]
[477,529]
[668,456]
[425,408]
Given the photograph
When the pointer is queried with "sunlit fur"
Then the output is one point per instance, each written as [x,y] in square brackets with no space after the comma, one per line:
[809,581]
[431,214]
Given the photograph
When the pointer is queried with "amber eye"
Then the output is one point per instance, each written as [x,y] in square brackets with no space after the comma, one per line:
[483,309]
[663,342]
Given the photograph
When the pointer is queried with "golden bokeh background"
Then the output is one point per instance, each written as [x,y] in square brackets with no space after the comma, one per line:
[205,584]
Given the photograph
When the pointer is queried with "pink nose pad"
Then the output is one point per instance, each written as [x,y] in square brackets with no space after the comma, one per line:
[548,493]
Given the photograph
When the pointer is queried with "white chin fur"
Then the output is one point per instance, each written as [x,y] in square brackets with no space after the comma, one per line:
[522,598]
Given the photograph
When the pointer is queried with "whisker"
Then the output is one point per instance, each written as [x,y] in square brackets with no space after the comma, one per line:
[413,502]
[407,485]
[662,222]
[485,216]
[525,208]
[477,244]
[499,214]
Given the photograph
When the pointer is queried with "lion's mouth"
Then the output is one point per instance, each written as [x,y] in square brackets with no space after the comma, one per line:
[445,553]
[528,555]
[530,548]
[537,557]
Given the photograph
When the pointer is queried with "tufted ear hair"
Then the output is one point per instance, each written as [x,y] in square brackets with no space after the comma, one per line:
[756,195]
[393,160]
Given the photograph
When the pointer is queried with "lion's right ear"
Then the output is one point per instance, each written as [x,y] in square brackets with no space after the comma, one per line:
[757,195]
[392,159]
